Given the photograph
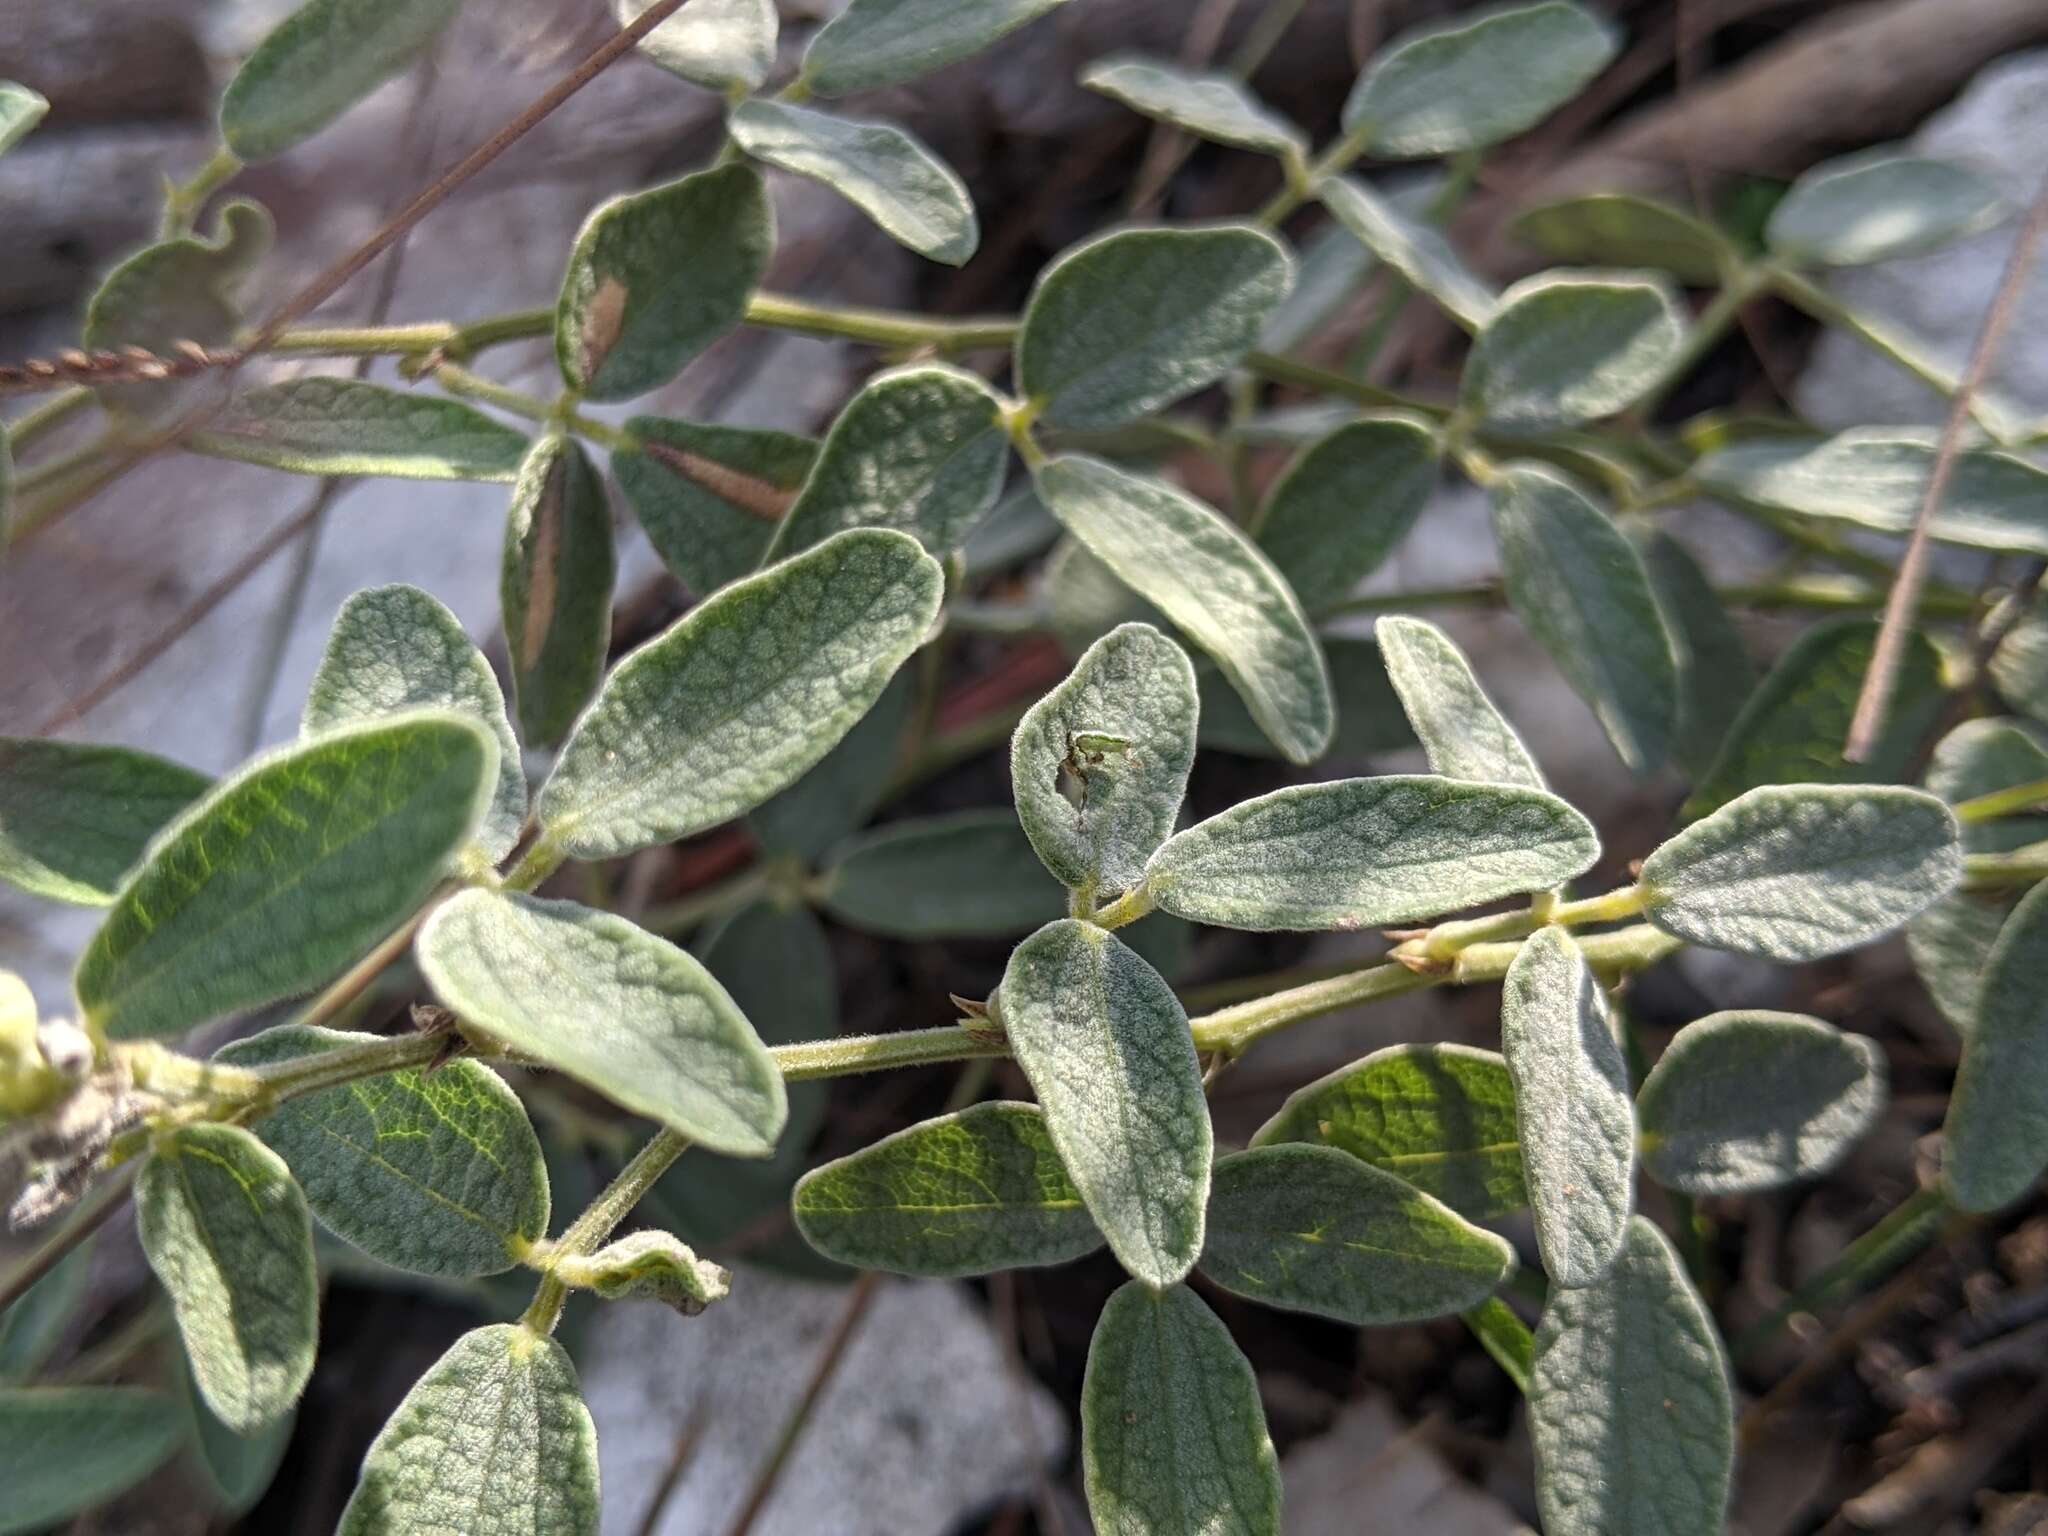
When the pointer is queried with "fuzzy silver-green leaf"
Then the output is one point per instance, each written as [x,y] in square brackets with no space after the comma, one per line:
[1877,206]
[872,43]
[66,1449]
[718,44]
[969,874]
[655,1265]
[555,586]
[710,497]
[1208,104]
[1715,673]
[1621,229]
[1995,1142]
[329,426]
[1416,249]
[76,818]
[20,110]
[1340,508]
[1565,348]
[1463,734]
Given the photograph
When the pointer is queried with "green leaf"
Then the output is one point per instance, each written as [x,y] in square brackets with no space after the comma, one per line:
[919,449]
[653,1265]
[1747,1101]
[1950,943]
[34,1323]
[742,695]
[965,1194]
[1995,1142]
[1330,269]
[1203,102]
[873,43]
[1099,765]
[1018,528]
[1106,1047]
[2019,667]
[329,426]
[890,175]
[723,45]
[228,1234]
[970,874]
[20,110]
[1715,673]
[395,648]
[555,586]
[836,798]
[75,818]
[1173,1439]
[1463,734]
[1340,508]
[286,871]
[1369,718]
[1876,477]
[1363,853]
[710,496]
[1581,589]
[1794,872]
[1084,600]
[1413,247]
[1474,83]
[238,1468]
[1505,1337]
[493,1440]
[1441,1117]
[1793,727]
[612,1006]
[1212,582]
[176,290]
[1577,1131]
[1629,1404]
[1566,348]
[320,61]
[1133,320]
[66,1449]
[631,313]
[1604,229]
[1878,205]
[437,1173]
[1311,1229]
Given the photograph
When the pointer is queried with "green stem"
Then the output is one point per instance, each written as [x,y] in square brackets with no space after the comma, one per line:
[1999,871]
[881,327]
[458,380]
[1302,186]
[1506,1337]
[184,200]
[1127,908]
[32,424]
[1446,940]
[2003,802]
[1705,333]
[1285,370]
[589,1230]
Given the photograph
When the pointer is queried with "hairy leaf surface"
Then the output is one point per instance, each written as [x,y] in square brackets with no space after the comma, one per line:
[1416,249]
[1462,733]
[963,875]
[1210,105]
[1369,718]
[873,43]
[76,818]
[722,45]
[1878,206]
[710,497]
[20,110]
[1340,508]
[1621,229]
[1565,348]
[1715,673]
[835,799]
[555,586]
[1995,1142]
[328,426]
[655,1265]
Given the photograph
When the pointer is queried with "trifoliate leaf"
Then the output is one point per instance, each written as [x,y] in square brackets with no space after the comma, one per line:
[320,61]
[920,449]
[1794,872]
[1106,1046]
[1173,1438]
[1793,727]
[965,1194]
[395,648]
[1747,1101]
[742,695]
[555,587]
[66,1449]
[1715,673]
[76,818]
[1462,733]
[34,1323]
[1995,1143]
[631,312]
[438,1172]
[710,497]
[654,1265]
[1212,582]
[722,45]
[836,798]
[1210,105]
[1133,320]
[1416,249]
[329,426]
[493,1441]
[1580,587]
[181,289]
[1369,718]
[239,1468]
[1577,1131]
[1362,853]
[612,1006]
[228,1234]
[1878,205]
[20,110]
[1340,508]
[1629,1404]
[890,175]
[970,874]
[1876,477]
[1312,1229]
[1440,1117]
[873,43]
[1566,348]
[1474,83]
[1099,765]
[286,871]
[1619,229]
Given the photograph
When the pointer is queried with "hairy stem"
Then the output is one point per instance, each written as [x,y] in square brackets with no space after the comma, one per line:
[589,1230]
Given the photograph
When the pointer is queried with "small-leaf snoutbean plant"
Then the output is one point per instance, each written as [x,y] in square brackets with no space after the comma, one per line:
[401,824]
